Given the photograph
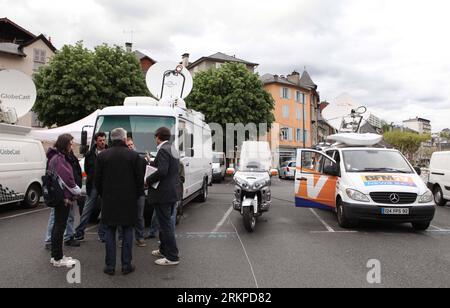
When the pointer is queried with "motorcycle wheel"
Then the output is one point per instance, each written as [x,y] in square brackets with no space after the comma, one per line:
[249,220]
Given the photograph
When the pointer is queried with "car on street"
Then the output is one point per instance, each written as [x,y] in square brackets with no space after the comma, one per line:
[287,170]
[439,177]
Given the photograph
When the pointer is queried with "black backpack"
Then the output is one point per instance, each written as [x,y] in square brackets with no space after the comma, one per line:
[53,189]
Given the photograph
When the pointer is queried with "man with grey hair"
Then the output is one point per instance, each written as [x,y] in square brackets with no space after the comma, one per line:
[119,180]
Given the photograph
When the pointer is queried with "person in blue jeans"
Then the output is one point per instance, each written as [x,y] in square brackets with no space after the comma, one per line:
[92,194]
[69,235]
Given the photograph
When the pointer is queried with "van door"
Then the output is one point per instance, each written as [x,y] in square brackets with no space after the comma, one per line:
[315,185]
[446,177]
[184,141]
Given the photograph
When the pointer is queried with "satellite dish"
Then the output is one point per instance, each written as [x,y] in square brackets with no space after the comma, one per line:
[17,92]
[340,112]
[169,80]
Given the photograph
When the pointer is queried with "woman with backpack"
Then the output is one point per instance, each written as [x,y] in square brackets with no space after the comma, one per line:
[60,162]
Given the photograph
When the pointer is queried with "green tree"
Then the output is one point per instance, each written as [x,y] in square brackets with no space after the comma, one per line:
[445,135]
[79,81]
[406,142]
[231,94]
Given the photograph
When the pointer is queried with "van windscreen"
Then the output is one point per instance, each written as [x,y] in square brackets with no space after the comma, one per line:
[140,128]
[375,161]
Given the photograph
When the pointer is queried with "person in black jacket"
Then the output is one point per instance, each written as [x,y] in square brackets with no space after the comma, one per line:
[92,195]
[119,179]
[164,194]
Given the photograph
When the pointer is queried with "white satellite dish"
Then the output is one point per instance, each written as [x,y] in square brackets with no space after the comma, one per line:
[341,109]
[169,80]
[17,92]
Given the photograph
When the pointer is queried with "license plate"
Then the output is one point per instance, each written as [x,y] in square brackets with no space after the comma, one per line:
[395,211]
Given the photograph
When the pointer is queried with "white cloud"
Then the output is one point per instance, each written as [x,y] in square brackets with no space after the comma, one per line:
[390,55]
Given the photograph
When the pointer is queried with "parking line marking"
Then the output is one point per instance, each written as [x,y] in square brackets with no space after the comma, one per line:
[337,232]
[327,226]
[437,228]
[225,217]
[24,214]
[246,254]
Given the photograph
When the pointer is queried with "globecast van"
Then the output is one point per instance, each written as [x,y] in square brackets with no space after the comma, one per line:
[363,183]
[22,165]
[439,181]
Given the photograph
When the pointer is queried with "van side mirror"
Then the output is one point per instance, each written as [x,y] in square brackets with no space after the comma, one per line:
[332,170]
[84,147]
[418,170]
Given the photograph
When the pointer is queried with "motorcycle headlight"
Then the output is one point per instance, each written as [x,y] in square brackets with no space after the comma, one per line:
[259,184]
[357,195]
[241,183]
[427,197]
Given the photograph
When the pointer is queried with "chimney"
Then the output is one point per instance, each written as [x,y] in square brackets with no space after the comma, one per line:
[294,77]
[185,60]
[275,77]
[129,47]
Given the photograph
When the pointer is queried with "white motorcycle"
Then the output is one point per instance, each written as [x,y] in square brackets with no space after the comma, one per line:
[252,193]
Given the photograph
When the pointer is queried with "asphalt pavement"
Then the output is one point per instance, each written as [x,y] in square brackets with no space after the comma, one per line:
[290,248]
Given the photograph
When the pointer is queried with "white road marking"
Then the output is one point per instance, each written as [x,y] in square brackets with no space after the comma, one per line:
[246,254]
[337,232]
[327,226]
[225,217]
[437,228]
[24,214]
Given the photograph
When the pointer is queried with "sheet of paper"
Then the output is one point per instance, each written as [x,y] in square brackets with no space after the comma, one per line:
[150,170]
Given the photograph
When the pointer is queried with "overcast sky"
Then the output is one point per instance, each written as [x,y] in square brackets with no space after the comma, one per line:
[391,55]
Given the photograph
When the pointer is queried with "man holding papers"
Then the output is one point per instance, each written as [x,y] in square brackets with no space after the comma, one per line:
[163,193]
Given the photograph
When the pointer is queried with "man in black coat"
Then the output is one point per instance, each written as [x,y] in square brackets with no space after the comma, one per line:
[92,194]
[118,179]
[164,195]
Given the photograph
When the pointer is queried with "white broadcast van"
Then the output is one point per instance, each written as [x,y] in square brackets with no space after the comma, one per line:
[22,165]
[141,117]
[22,159]
[360,181]
[439,179]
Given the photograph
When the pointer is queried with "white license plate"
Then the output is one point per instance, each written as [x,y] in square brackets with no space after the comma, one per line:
[395,211]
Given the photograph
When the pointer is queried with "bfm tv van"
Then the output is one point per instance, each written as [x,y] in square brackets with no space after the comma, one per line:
[361,182]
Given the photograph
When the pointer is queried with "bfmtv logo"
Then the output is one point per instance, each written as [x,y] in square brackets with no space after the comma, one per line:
[74,275]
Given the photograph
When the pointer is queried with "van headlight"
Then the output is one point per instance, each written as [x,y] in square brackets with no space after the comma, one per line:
[427,197]
[357,195]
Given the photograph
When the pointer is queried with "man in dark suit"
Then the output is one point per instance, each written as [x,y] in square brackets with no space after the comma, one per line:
[119,178]
[164,195]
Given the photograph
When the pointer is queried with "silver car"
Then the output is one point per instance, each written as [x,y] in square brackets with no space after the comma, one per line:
[287,170]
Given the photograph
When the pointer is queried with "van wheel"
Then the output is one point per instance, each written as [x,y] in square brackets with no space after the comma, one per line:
[32,196]
[439,196]
[204,194]
[343,221]
[421,226]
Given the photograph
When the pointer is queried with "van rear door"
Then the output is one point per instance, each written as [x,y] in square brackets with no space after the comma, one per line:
[313,187]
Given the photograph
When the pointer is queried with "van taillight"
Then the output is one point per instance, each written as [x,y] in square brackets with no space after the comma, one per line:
[84,175]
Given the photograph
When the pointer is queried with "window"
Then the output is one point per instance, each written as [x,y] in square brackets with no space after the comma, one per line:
[218,65]
[285,93]
[299,135]
[306,136]
[141,128]
[286,112]
[291,134]
[300,97]
[39,55]
[299,114]
[284,134]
